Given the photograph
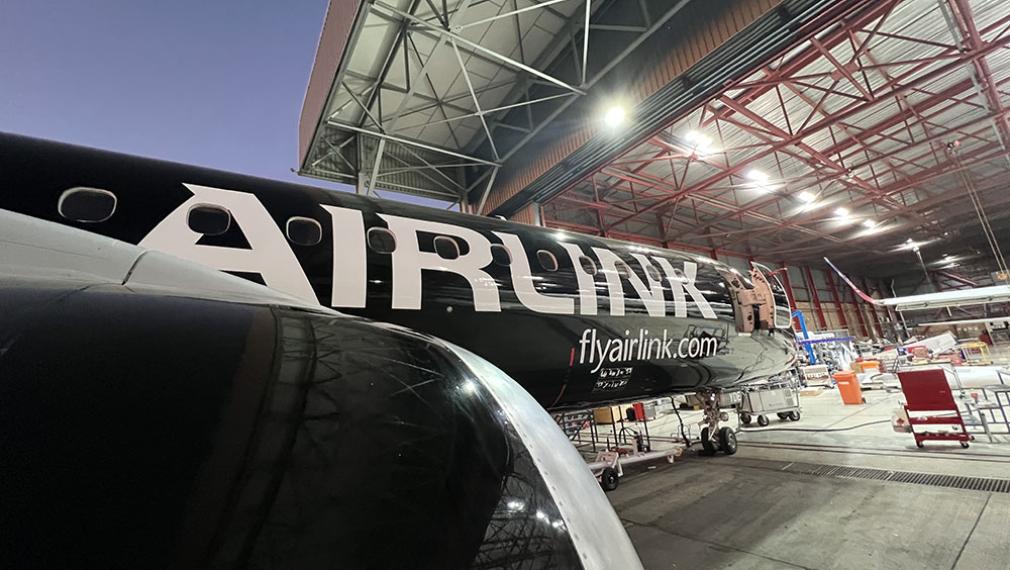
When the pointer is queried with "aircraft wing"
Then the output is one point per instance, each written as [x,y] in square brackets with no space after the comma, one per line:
[959,298]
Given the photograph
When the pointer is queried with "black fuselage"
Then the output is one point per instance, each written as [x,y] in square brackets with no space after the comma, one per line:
[576,319]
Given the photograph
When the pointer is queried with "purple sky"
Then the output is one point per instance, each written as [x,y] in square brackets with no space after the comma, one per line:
[216,84]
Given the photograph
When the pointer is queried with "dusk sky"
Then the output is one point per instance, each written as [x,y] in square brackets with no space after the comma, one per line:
[217,84]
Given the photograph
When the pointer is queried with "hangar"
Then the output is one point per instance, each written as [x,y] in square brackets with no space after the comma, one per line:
[614,284]
[871,133]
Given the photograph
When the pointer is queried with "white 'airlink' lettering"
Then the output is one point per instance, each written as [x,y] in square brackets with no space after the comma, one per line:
[270,256]
[685,282]
[349,288]
[651,296]
[587,285]
[268,253]
[409,261]
[522,281]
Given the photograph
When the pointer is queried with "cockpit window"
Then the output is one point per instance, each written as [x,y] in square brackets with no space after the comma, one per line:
[88,205]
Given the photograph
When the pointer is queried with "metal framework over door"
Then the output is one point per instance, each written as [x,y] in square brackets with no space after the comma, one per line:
[431,97]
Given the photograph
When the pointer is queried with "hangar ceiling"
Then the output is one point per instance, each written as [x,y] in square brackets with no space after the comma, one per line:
[782,131]
[885,125]
[432,97]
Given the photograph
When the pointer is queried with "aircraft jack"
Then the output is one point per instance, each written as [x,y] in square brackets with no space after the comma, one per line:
[713,437]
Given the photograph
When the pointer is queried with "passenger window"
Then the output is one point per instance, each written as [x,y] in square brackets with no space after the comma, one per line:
[208,219]
[304,231]
[446,248]
[89,205]
[588,265]
[623,270]
[653,273]
[500,255]
[547,260]
[381,240]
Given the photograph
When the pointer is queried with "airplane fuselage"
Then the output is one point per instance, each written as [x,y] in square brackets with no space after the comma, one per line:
[575,319]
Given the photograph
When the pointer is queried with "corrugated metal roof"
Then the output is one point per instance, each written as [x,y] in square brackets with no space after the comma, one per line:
[875,112]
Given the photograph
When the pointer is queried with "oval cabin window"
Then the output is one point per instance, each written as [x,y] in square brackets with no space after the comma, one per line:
[208,219]
[653,273]
[446,247]
[88,205]
[623,270]
[304,231]
[588,265]
[547,260]
[500,255]
[381,240]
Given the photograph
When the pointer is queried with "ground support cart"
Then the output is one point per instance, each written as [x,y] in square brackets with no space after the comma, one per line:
[782,400]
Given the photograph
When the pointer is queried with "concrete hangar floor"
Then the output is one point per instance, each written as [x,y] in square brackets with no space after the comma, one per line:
[859,498]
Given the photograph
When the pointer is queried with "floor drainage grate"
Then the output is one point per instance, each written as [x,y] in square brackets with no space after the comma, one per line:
[842,472]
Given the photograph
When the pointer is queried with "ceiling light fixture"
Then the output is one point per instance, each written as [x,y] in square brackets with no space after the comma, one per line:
[698,139]
[758,180]
[614,116]
[700,143]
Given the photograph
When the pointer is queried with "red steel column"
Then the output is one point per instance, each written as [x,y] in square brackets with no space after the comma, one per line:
[841,306]
[837,299]
[873,311]
[862,320]
[814,298]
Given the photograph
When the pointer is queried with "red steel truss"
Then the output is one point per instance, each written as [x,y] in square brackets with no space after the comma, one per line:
[871,114]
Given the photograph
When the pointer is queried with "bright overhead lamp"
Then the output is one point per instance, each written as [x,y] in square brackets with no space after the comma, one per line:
[807,197]
[614,116]
[842,212]
[700,143]
[758,180]
[698,139]
[869,224]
